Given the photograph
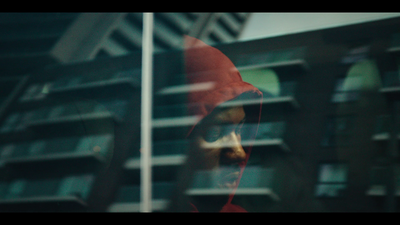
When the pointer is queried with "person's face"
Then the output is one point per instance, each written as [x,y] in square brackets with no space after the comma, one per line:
[219,139]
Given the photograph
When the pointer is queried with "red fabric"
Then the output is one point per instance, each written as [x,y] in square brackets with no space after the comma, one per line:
[205,64]
[228,208]
[232,208]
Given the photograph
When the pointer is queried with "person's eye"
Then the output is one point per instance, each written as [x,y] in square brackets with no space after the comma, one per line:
[213,134]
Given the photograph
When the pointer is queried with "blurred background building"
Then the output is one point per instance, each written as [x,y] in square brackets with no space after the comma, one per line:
[70,104]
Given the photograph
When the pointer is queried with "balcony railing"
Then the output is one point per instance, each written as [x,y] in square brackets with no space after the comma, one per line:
[378,180]
[395,44]
[391,85]
[382,128]
[47,191]
[286,97]
[255,181]
[164,153]
[128,197]
[273,59]
[75,111]
[269,136]
[97,147]
[114,83]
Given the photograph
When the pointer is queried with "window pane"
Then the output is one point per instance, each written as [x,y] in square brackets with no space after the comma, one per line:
[333,173]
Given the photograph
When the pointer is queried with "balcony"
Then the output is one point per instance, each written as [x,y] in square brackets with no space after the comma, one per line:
[64,151]
[284,100]
[72,117]
[178,90]
[128,198]
[255,181]
[106,85]
[281,61]
[382,128]
[270,136]
[394,48]
[391,85]
[378,182]
[58,194]
[164,154]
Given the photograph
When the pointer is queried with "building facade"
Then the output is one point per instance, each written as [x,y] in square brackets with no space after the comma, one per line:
[70,109]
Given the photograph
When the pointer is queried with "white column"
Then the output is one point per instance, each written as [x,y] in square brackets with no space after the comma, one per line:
[146,113]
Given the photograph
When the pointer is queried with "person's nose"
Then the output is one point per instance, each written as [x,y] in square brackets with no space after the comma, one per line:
[233,152]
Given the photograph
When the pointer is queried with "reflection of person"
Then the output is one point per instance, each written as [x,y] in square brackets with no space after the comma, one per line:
[218,140]
[216,137]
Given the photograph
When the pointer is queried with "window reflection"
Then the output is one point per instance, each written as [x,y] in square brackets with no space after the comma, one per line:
[332,180]
[338,130]
[70,115]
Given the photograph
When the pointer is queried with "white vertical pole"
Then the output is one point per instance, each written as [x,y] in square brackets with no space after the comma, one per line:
[146,113]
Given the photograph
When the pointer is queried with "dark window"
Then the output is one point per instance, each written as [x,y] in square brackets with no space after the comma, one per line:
[332,180]
[338,130]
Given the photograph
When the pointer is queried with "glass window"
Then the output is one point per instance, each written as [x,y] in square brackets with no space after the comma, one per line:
[338,130]
[346,92]
[332,180]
